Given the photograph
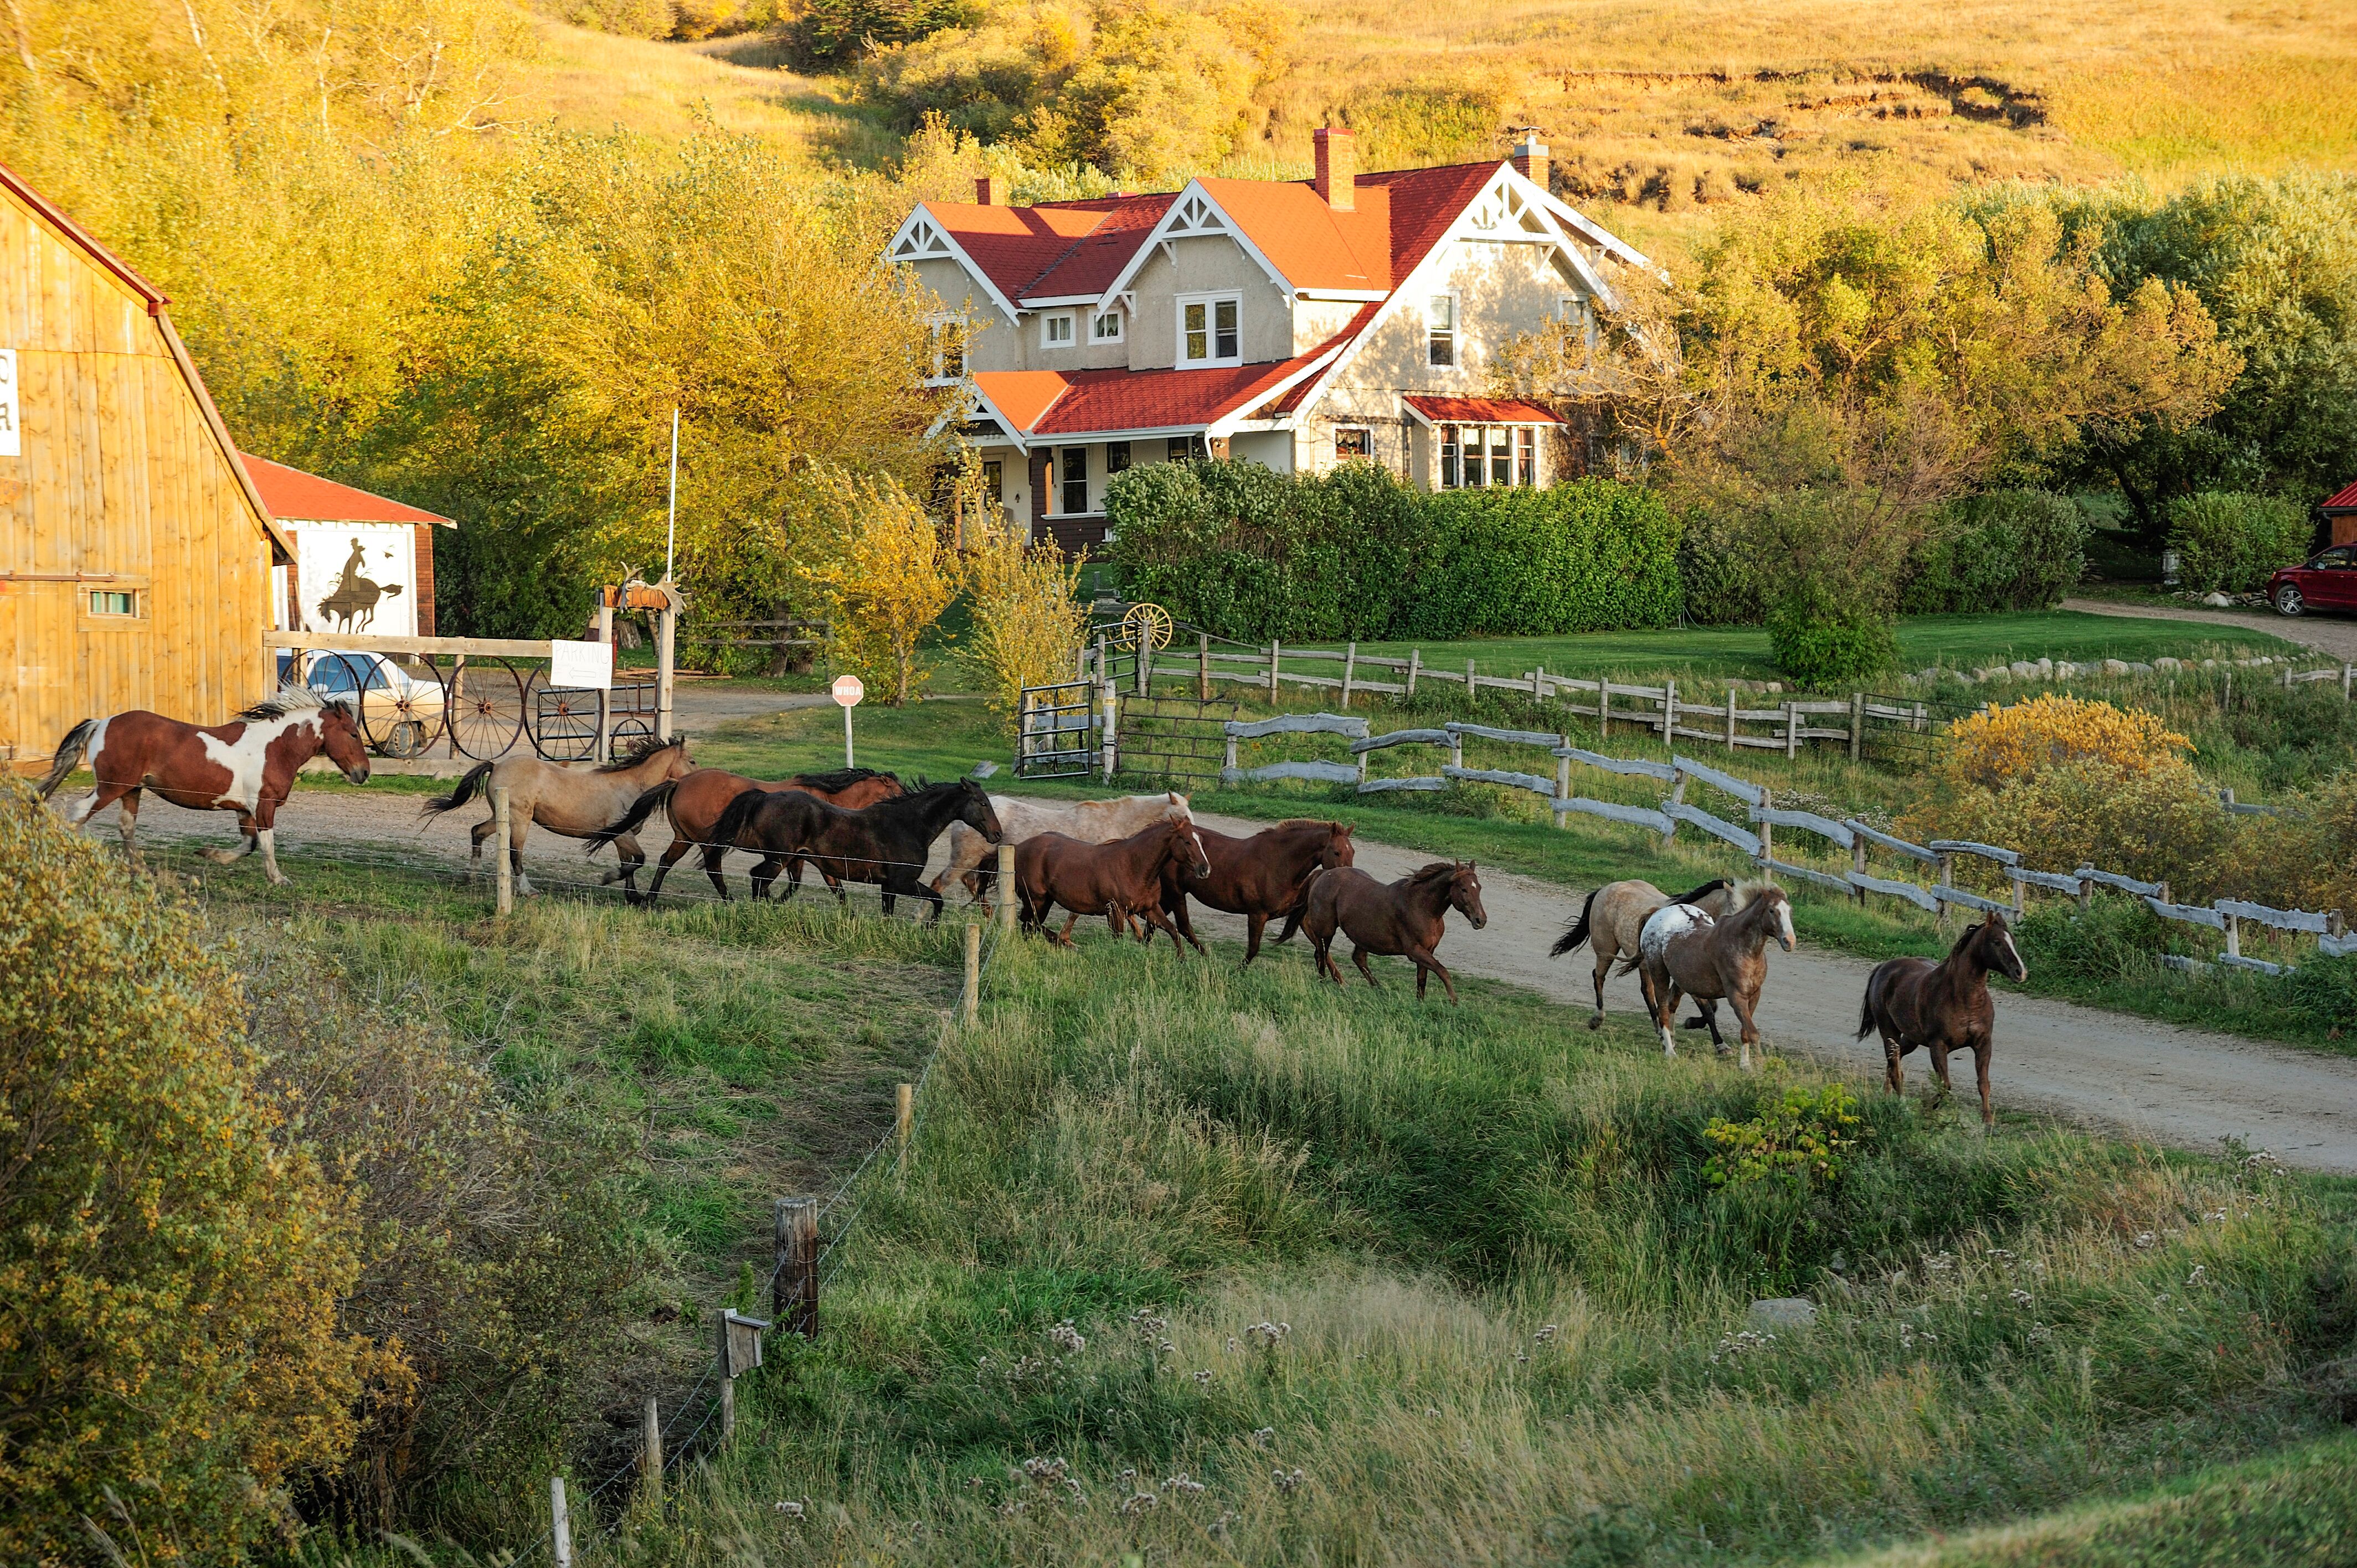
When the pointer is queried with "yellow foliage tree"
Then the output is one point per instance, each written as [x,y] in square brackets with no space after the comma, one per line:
[886,575]
[2001,745]
[1028,614]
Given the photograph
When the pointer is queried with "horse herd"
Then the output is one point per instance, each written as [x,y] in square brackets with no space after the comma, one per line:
[1137,861]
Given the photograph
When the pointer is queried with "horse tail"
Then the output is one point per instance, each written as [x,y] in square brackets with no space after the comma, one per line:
[1571,940]
[632,820]
[469,788]
[1300,905]
[68,757]
[1866,1011]
[736,818]
[1628,962]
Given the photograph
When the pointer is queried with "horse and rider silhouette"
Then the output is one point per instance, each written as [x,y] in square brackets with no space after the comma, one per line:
[353,603]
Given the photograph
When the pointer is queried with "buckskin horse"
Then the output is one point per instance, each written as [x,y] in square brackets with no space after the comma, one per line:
[246,766]
[885,843]
[1404,919]
[1614,915]
[1943,1007]
[578,802]
[695,804]
[1117,880]
[1262,877]
[1682,951]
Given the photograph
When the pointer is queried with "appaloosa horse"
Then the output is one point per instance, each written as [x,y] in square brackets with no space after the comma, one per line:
[884,843]
[578,802]
[1262,877]
[1616,913]
[246,766]
[1682,951]
[1404,919]
[1090,822]
[695,804]
[1117,880]
[1943,1007]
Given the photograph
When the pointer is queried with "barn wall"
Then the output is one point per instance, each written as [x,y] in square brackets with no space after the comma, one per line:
[120,477]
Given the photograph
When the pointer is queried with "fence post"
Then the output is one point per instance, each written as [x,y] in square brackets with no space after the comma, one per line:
[651,1456]
[1678,798]
[503,873]
[2346,672]
[1230,763]
[2233,937]
[1856,724]
[1538,684]
[1470,690]
[666,676]
[1349,670]
[1792,730]
[793,1300]
[904,1114]
[606,693]
[1144,672]
[727,1381]
[1004,891]
[560,1523]
[1457,749]
[1669,712]
[1767,846]
[1562,783]
[1940,905]
[1857,864]
[969,999]
[1203,666]
[1109,728]
[1415,662]
[1275,650]
[2086,896]
[1730,716]
[1603,706]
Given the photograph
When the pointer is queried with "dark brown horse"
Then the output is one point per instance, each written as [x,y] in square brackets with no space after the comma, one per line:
[1943,1007]
[1116,880]
[696,801]
[246,766]
[1682,951]
[1261,877]
[1404,919]
[885,843]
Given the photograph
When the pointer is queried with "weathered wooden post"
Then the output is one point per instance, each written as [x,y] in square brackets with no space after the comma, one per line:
[1603,706]
[1108,722]
[1792,729]
[1856,724]
[2086,894]
[503,870]
[1730,716]
[1538,684]
[2347,671]
[1470,689]
[1678,798]
[1940,906]
[1003,892]
[1562,784]
[1350,672]
[1228,761]
[1145,663]
[2233,937]
[1276,652]
[606,692]
[666,665]
[651,1456]
[793,1300]
[970,1000]
[904,1111]
[560,1523]
[727,1383]
[1669,712]
[1415,662]
[1203,666]
[1857,864]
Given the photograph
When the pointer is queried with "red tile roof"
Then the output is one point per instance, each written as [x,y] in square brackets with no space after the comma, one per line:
[298,497]
[1021,248]
[1480,410]
[1313,245]
[1106,402]
[2342,500]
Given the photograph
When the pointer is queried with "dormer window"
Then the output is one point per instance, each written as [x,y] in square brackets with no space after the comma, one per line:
[1056,330]
[1209,330]
[949,339]
[1105,327]
[1440,330]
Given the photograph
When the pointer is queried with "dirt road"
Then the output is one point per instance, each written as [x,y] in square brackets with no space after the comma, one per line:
[2328,634]
[2178,1086]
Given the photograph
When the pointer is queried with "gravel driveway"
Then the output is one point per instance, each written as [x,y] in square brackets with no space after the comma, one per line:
[2333,635]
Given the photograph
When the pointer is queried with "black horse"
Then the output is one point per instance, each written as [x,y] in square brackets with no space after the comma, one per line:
[885,843]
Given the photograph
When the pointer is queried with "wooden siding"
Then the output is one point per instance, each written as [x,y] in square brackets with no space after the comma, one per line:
[424,561]
[123,485]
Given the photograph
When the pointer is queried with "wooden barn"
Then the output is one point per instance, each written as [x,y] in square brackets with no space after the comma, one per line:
[135,553]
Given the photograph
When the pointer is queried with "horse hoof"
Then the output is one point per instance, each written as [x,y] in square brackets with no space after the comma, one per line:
[1596,1021]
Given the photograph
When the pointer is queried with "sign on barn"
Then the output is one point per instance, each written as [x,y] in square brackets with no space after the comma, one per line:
[363,563]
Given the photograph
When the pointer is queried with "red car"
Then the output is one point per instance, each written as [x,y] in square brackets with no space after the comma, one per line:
[2327,583]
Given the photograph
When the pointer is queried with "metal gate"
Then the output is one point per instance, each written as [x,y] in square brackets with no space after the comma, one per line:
[1173,737]
[1059,738]
[1908,731]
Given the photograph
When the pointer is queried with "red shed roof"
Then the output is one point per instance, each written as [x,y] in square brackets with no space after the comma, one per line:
[2342,500]
[1478,410]
[298,497]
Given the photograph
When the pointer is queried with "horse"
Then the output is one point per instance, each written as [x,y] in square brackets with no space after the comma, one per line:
[1260,877]
[246,766]
[578,802]
[695,804]
[1682,951]
[1116,880]
[1614,915]
[1089,822]
[1943,1007]
[885,843]
[1404,919]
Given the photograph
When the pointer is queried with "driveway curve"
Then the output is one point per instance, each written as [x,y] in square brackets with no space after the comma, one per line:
[2328,634]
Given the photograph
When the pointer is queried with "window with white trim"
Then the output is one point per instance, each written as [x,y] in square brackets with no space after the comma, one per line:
[1105,327]
[1353,443]
[949,340]
[1579,314]
[1440,330]
[1475,456]
[1075,497]
[1056,330]
[1210,329]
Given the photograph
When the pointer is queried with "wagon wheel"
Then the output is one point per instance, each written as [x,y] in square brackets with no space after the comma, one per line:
[403,723]
[484,699]
[564,720]
[1145,627]
[627,732]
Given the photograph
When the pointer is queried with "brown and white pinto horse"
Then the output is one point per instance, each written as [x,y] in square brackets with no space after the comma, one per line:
[246,766]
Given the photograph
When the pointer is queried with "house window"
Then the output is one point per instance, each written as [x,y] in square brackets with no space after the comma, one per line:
[1076,480]
[994,477]
[949,347]
[1105,327]
[1502,456]
[113,602]
[1526,456]
[1449,451]
[1187,449]
[1352,441]
[1117,458]
[1579,314]
[1056,331]
[1440,328]
[1208,333]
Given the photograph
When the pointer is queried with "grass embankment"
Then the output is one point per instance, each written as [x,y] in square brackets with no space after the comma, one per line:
[1204,1265]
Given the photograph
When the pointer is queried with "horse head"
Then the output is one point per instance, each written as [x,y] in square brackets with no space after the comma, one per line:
[1770,910]
[1338,850]
[974,809]
[1991,941]
[1178,809]
[1715,897]
[340,739]
[1187,845]
[1465,894]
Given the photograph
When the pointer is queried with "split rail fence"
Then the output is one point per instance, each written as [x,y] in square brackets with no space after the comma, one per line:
[1756,836]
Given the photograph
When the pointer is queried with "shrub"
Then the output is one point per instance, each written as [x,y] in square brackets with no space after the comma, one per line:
[169,1266]
[1583,556]
[1027,615]
[1236,548]
[1800,1138]
[1719,569]
[1998,744]
[886,578]
[1823,639]
[2227,542]
[2006,550]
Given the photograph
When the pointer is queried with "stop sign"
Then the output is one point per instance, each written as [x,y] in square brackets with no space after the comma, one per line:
[849,690]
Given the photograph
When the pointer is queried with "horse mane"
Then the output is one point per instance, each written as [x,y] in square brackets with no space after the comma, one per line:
[1438,871]
[639,751]
[1701,893]
[841,778]
[287,699]
[1746,894]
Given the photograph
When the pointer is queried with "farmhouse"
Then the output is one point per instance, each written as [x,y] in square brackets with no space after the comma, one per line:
[135,553]
[1296,323]
[362,562]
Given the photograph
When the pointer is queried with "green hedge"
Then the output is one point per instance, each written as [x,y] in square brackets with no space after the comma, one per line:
[2005,550]
[1249,553]
[2229,541]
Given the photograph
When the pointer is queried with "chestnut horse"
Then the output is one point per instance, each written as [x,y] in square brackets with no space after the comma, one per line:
[695,804]
[1614,915]
[1683,952]
[1943,1007]
[1260,877]
[246,766]
[886,844]
[578,802]
[1116,880]
[1090,822]
[1404,919]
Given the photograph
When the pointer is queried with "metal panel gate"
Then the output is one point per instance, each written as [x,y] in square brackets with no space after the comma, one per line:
[1173,737]
[1059,738]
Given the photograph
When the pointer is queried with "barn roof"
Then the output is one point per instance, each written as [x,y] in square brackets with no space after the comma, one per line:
[2342,500]
[297,496]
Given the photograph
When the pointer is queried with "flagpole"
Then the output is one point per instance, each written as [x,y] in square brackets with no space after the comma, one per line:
[670,529]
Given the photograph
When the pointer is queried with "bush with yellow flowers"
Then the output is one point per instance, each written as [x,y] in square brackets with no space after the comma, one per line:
[1999,745]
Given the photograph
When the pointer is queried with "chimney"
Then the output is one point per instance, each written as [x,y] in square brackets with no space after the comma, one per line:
[1530,159]
[1338,168]
[990,190]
